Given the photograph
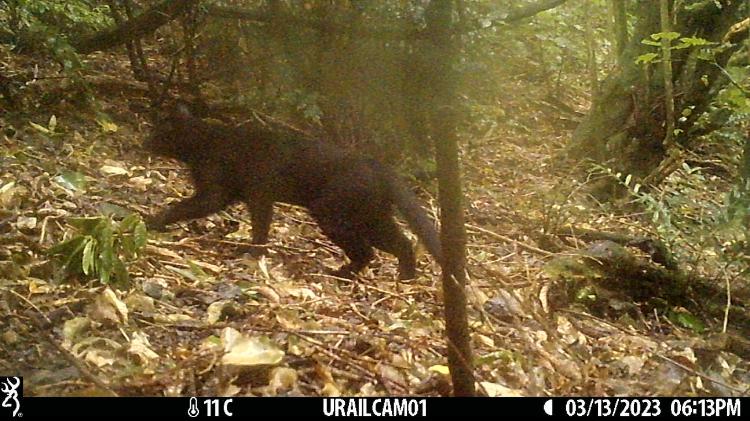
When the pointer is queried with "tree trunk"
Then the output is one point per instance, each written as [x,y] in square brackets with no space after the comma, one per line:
[593,68]
[443,80]
[666,48]
[620,17]
[625,128]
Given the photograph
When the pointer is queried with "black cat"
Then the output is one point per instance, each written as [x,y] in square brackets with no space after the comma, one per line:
[349,196]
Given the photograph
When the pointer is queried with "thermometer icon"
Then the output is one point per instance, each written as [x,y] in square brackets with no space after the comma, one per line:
[193,409]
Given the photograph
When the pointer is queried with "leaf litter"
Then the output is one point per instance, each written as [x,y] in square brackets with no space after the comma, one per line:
[203,317]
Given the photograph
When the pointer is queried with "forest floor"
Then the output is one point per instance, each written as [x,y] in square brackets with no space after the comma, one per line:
[202,317]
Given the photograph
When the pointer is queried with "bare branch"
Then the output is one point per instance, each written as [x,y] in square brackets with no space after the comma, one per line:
[532,10]
[391,31]
[144,24]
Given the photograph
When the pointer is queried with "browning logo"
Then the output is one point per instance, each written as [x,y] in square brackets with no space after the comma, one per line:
[12,389]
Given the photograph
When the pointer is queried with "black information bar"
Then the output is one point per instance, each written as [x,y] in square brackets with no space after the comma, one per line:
[32,408]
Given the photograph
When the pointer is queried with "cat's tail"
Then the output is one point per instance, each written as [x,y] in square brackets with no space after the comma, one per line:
[408,204]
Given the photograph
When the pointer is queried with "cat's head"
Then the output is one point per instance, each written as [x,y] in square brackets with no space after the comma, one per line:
[173,130]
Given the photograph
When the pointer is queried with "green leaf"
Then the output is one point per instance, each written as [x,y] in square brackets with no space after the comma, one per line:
[73,261]
[706,54]
[567,267]
[87,262]
[696,41]
[129,222]
[71,180]
[107,253]
[127,245]
[646,58]
[197,270]
[108,209]
[665,35]
[67,247]
[685,319]
[652,43]
[140,235]
[586,294]
[87,225]
[105,122]
[101,246]
[122,277]
[104,276]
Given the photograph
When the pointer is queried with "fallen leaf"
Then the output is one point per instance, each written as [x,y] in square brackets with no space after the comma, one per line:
[141,348]
[7,191]
[496,390]
[248,351]
[107,307]
[282,379]
[26,223]
[99,358]
[440,369]
[217,310]
[269,293]
[139,302]
[113,170]
[141,183]
[75,327]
